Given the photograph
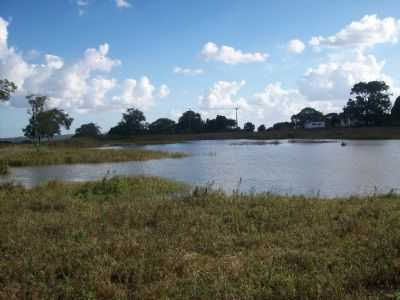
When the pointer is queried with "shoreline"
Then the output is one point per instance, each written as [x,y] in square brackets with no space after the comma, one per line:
[370,133]
[361,133]
[204,188]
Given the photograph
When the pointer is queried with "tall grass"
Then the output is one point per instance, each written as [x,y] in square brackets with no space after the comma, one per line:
[18,156]
[3,167]
[148,238]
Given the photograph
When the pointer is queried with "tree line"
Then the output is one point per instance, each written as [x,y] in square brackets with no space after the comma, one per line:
[369,105]
[47,123]
[134,122]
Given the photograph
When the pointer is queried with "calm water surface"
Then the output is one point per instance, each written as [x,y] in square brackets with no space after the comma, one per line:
[327,169]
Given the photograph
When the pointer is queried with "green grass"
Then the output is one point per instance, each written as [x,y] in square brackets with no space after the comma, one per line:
[18,156]
[149,238]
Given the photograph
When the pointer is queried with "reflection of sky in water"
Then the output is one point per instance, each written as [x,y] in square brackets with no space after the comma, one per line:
[326,169]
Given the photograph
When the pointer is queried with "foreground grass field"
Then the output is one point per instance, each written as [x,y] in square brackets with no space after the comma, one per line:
[29,155]
[148,238]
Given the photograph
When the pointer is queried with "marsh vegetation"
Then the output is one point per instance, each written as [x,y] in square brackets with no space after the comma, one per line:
[29,155]
[3,167]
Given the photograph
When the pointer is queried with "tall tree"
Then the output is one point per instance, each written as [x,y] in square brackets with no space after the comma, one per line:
[7,88]
[371,103]
[261,128]
[249,127]
[220,123]
[190,121]
[396,111]
[282,125]
[45,123]
[37,106]
[162,126]
[88,130]
[133,122]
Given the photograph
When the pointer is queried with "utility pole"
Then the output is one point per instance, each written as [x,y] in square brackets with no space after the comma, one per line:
[237,122]
[190,122]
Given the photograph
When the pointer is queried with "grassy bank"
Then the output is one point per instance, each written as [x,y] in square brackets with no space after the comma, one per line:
[28,155]
[148,238]
[365,133]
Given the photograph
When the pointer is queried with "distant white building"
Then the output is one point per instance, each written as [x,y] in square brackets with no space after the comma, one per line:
[315,125]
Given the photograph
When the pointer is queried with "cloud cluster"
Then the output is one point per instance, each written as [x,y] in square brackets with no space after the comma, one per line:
[362,34]
[231,56]
[348,61]
[188,71]
[277,104]
[333,80]
[86,84]
[81,86]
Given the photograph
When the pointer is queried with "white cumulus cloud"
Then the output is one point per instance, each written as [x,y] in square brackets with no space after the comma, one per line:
[230,55]
[12,65]
[223,95]
[54,62]
[296,46]
[136,93]
[122,3]
[362,34]
[333,80]
[164,91]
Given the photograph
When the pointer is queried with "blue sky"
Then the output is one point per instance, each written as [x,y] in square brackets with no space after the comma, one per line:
[165,57]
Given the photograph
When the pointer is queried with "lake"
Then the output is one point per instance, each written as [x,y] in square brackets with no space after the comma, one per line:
[326,169]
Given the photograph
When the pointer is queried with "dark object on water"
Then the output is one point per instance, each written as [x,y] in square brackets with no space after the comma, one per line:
[344,144]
